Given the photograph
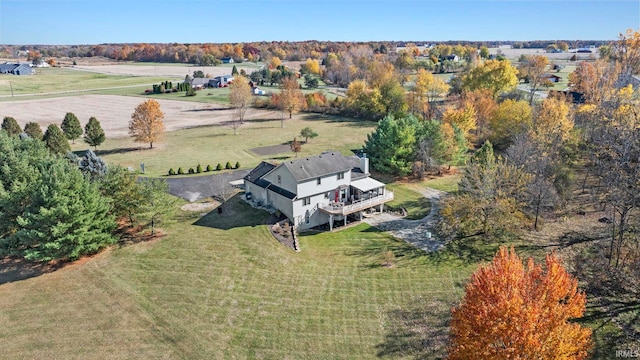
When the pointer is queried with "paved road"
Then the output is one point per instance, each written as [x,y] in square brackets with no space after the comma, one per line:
[194,188]
[412,231]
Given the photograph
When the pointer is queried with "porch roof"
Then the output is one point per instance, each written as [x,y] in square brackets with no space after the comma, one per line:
[366,184]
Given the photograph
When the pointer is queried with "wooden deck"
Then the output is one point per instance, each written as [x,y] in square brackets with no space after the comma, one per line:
[358,205]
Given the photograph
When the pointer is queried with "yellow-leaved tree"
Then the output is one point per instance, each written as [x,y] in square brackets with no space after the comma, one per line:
[512,311]
[494,75]
[146,124]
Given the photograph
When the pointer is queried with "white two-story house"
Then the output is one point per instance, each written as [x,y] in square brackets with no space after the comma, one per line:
[317,190]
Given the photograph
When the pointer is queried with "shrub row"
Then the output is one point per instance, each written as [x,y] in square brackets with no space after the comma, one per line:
[199,169]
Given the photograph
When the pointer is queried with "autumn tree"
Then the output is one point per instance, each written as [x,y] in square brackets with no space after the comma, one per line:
[513,311]
[312,66]
[240,97]
[488,202]
[510,118]
[464,118]
[552,122]
[55,140]
[146,124]
[71,127]
[10,125]
[494,75]
[93,133]
[33,130]
[295,146]
[533,71]
[156,204]
[291,97]
[484,106]
[363,101]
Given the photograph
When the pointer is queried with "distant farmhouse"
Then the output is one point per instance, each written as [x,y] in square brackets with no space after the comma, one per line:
[317,190]
[227,60]
[16,69]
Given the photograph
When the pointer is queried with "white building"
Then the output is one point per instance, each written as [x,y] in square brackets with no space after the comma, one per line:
[317,190]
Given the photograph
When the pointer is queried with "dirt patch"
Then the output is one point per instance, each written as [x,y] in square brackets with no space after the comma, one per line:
[200,207]
[114,112]
[271,150]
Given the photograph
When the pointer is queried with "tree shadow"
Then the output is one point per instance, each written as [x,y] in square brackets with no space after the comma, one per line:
[419,330]
[352,122]
[16,269]
[234,213]
[118,151]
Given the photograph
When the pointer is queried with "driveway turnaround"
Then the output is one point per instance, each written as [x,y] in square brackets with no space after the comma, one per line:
[194,188]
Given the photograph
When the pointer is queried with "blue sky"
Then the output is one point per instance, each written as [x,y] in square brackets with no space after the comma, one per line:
[197,21]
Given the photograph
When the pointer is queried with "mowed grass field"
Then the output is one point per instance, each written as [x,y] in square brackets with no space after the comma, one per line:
[53,80]
[213,144]
[220,287]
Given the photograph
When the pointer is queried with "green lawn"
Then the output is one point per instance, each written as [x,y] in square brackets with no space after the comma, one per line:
[203,292]
[210,145]
[416,205]
[60,79]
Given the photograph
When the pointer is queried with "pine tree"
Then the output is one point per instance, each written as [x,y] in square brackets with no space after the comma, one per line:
[10,125]
[234,71]
[92,165]
[93,133]
[71,127]
[33,130]
[55,140]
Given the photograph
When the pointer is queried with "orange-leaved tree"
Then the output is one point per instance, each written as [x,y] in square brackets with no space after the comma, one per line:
[512,311]
[146,123]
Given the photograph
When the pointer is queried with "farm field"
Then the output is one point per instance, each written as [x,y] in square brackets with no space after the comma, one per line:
[60,80]
[114,112]
[201,293]
[178,71]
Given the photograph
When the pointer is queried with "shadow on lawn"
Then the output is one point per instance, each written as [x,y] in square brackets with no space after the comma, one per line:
[419,330]
[235,213]
[117,151]
[338,119]
[13,269]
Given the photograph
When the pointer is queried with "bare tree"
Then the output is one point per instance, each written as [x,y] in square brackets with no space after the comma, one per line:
[222,188]
[240,98]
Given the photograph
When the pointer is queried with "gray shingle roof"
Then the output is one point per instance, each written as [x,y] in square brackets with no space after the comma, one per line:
[321,165]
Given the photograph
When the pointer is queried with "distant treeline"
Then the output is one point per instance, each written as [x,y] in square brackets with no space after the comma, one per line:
[210,54]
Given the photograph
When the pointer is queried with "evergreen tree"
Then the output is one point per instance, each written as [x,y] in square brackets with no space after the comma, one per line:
[92,165]
[93,133]
[71,127]
[234,71]
[10,125]
[391,146]
[55,140]
[48,210]
[33,130]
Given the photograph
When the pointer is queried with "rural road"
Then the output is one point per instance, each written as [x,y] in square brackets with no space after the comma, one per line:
[73,91]
[412,231]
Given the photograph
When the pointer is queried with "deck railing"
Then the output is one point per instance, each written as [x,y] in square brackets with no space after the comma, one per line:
[358,205]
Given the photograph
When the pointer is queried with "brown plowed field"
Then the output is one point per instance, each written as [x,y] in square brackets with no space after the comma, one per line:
[114,112]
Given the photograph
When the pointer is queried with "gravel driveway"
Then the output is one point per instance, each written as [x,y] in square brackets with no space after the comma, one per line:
[412,231]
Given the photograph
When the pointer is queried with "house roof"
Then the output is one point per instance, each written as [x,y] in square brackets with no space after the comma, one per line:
[366,184]
[320,165]
[258,172]
[278,190]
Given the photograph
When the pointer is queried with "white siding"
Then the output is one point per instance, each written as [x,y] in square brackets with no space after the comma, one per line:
[258,194]
[287,181]
[328,183]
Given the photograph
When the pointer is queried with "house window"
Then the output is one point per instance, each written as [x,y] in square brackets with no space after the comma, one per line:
[306,201]
[340,176]
[319,181]
[279,179]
